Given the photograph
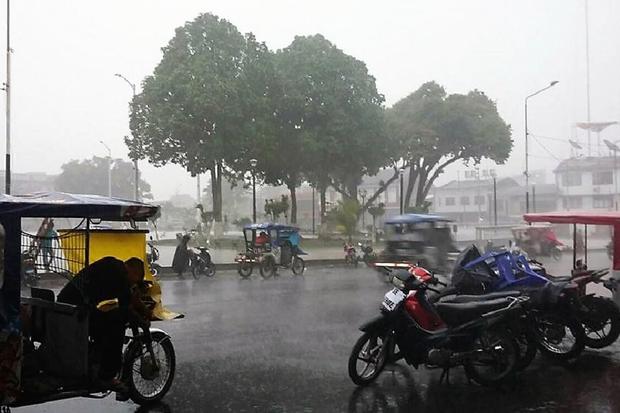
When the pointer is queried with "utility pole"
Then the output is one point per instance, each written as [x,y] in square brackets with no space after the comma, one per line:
[588,73]
[527,154]
[7,88]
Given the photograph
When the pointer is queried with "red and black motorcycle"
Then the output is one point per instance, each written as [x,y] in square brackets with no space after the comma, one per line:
[438,335]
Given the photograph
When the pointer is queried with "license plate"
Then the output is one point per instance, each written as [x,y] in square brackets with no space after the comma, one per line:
[392,299]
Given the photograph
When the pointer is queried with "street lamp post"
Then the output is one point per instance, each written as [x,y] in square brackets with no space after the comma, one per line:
[313,213]
[494,176]
[527,169]
[253,163]
[109,168]
[136,194]
[401,172]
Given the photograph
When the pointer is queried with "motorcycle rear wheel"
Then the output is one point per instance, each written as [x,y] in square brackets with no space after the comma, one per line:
[371,350]
[145,384]
[268,267]
[559,338]
[602,322]
[299,266]
[498,361]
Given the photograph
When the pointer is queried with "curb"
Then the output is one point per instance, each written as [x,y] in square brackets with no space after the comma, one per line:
[167,271]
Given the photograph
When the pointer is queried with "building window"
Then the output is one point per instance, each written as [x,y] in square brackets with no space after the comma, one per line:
[571,178]
[602,178]
[573,202]
[602,201]
[479,200]
[450,201]
[464,200]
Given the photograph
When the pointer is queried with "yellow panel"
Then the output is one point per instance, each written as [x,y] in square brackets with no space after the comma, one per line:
[119,244]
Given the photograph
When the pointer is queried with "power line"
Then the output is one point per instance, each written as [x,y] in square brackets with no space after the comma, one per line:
[546,150]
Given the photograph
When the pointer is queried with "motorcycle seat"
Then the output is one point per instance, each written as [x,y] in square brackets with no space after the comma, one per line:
[475,298]
[558,279]
[454,314]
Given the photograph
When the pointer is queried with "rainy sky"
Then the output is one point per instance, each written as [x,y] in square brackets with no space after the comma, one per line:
[66,98]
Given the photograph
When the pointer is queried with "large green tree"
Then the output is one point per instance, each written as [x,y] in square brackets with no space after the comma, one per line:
[91,176]
[203,101]
[330,117]
[434,130]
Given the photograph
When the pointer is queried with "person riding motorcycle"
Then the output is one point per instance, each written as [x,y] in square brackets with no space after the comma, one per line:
[113,281]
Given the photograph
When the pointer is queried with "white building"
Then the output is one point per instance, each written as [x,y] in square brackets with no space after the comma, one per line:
[587,183]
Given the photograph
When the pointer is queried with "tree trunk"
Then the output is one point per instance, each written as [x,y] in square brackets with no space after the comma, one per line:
[292,190]
[420,197]
[352,191]
[322,194]
[216,191]
[413,172]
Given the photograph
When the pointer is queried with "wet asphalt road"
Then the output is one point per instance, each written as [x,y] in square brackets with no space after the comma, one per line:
[281,345]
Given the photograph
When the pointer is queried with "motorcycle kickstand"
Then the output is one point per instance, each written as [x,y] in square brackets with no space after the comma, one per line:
[445,374]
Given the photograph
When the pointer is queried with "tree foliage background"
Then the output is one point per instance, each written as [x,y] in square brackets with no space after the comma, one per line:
[91,176]
[307,113]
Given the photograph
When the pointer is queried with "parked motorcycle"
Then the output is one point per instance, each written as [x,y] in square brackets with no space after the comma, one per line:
[201,263]
[29,269]
[559,302]
[152,256]
[442,335]
[368,255]
[350,255]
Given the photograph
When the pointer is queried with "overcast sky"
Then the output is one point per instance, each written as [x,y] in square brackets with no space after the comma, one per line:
[66,98]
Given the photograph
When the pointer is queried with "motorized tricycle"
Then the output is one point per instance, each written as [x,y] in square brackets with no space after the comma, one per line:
[270,246]
[538,241]
[417,239]
[46,349]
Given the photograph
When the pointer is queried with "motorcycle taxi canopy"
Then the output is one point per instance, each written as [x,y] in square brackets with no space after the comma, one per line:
[586,218]
[64,205]
[61,205]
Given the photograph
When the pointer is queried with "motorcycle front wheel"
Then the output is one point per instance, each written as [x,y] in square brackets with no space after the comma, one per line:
[601,321]
[496,358]
[195,268]
[556,253]
[149,380]
[367,358]
[155,269]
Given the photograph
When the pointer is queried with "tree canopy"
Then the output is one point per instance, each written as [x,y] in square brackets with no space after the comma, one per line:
[309,112]
[91,176]
[201,101]
[433,130]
